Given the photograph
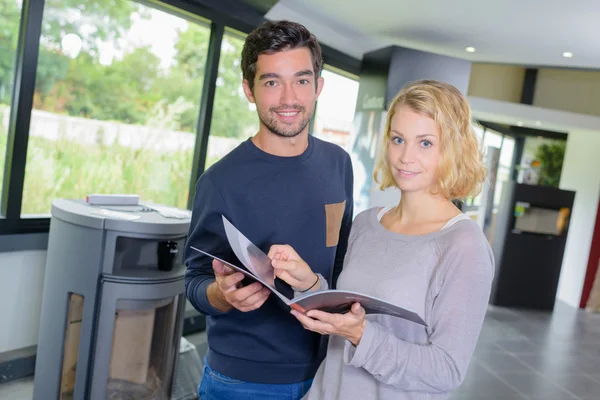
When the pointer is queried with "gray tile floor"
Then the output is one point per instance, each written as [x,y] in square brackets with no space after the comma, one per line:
[520,355]
[22,389]
[535,356]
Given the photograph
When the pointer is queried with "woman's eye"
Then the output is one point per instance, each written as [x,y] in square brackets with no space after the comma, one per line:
[426,143]
[397,140]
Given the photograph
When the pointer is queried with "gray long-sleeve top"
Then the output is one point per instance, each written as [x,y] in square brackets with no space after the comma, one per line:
[445,277]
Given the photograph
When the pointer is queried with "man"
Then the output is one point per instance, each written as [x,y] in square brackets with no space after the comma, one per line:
[282,186]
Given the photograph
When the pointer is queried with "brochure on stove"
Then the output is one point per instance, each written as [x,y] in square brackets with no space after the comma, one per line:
[259,268]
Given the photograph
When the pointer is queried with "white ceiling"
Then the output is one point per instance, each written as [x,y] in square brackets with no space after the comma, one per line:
[524,32]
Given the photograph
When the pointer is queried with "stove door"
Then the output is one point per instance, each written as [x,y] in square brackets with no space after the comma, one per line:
[139,328]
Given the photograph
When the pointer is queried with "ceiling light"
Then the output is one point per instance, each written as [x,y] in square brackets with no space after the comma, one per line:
[519,123]
[538,123]
[567,54]
[470,49]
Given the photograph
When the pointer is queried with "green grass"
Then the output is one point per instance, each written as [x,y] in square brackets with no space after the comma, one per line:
[63,169]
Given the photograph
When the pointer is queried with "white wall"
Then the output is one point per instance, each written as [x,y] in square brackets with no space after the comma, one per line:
[21,285]
[569,90]
[581,173]
[496,81]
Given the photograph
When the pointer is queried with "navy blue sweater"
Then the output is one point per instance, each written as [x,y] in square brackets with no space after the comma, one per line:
[304,201]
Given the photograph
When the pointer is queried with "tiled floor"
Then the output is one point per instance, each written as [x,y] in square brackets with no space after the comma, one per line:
[536,356]
[23,388]
[520,355]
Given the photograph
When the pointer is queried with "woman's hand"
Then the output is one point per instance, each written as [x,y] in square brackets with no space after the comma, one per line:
[291,268]
[350,325]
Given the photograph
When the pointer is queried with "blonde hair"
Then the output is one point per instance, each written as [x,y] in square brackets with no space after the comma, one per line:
[461,171]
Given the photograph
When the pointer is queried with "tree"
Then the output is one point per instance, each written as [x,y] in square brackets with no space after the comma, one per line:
[133,89]
[192,48]
[232,116]
[91,20]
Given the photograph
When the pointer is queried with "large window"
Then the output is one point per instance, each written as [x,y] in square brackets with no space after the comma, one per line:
[234,118]
[334,114]
[10,18]
[116,103]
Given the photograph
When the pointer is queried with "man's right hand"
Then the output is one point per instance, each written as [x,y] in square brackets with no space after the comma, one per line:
[227,291]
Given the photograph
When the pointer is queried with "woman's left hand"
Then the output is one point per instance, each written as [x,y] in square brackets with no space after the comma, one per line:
[350,325]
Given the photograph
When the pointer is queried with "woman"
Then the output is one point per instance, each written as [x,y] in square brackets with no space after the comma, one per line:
[422,254]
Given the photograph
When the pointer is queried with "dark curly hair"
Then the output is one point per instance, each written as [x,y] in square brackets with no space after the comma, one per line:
[275,36]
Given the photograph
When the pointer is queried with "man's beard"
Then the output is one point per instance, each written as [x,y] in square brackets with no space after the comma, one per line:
[269,119]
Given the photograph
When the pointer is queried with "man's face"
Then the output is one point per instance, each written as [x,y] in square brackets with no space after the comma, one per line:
[285,91]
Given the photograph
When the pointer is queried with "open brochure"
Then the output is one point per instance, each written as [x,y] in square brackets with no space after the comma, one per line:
[259,268]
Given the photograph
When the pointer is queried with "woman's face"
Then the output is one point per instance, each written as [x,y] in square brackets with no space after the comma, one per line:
[413,151]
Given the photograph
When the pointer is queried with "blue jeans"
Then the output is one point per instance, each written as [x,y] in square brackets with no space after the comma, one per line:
[216,386]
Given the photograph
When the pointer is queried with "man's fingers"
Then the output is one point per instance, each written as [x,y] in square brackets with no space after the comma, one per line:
[256,300]
[242,294]
[230,282]
[221,269]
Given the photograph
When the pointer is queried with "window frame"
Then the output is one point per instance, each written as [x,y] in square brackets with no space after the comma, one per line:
[239,17]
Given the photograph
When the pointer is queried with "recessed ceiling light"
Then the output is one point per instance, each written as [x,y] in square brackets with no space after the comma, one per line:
[538,123]
[520,123]
[470,49]
[567,54]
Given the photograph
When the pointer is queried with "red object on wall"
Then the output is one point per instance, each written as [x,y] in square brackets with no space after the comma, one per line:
[592,262]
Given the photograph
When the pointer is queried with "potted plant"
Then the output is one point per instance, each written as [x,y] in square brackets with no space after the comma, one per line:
[550,157]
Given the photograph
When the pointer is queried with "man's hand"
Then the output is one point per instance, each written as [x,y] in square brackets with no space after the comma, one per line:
[227,291]
[291,268]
